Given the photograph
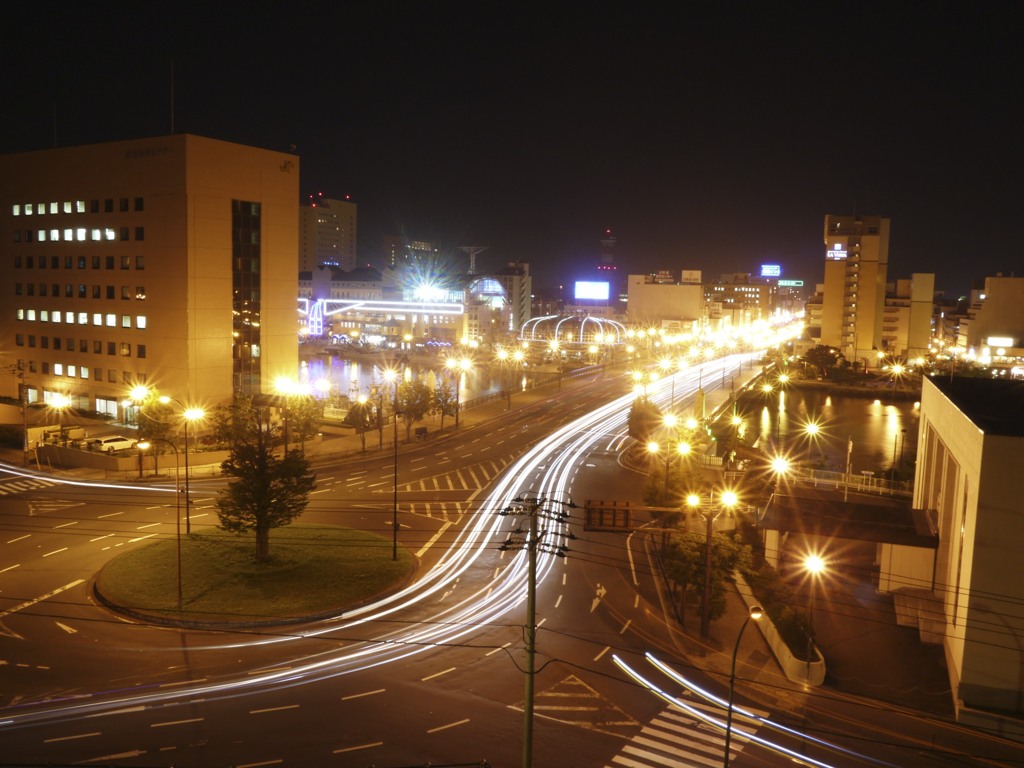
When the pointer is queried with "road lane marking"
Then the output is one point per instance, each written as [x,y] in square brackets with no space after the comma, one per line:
[496,650]
[450,725]
[141,538]
[360,695]
[361,746]
[147,525]
[66,628]
[109,514]
[258,765]
[11,541]
[437,674]
[176,722]
[273,709]
[432,539]
[602,653]
[65,525]
[558,602]
[625,627]
[56,551]
[69,738]
[10,568]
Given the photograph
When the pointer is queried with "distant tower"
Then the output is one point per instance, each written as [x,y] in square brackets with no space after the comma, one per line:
[608,250]
[473,250]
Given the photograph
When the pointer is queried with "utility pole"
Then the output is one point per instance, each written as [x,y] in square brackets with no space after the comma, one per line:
[534,542]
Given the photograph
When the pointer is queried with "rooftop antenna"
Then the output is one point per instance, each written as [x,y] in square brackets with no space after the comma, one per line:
[473,250]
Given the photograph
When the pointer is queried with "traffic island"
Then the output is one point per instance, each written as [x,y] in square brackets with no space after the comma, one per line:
[315,572]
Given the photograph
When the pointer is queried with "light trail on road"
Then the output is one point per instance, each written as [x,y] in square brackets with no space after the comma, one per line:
[545,471]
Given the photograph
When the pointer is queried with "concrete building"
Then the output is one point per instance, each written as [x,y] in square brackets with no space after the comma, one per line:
[327,234]
[969,593]
[856,260]
[168,261]
[992,329]
[907,317]
[518,285]
[739,300]
[660,304]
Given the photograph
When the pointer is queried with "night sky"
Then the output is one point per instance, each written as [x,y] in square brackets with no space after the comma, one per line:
[705,139]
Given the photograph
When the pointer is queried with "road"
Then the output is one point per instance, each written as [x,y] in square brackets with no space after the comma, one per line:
[432,674]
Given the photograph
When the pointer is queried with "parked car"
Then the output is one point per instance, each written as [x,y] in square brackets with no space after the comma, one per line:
[111,444]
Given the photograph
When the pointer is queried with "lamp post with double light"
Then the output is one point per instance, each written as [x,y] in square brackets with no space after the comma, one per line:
[755,613]
[669,452]
[145,445]
[727,500]
[458,366]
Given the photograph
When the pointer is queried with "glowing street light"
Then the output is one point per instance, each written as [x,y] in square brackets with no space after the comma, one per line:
[727,500]
[682,449]
[458,366]
[61,402]
[814,565]
[145,446]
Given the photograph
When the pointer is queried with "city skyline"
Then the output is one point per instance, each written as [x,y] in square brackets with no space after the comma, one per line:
[715,140]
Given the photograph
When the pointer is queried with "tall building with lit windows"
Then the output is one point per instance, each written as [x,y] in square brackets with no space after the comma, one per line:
[166,261]
[327,234]
[853,297]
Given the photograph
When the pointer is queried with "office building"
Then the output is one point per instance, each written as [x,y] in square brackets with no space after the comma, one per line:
[327,234]
[968,594]
[907,317]
[167,261]
[856,259]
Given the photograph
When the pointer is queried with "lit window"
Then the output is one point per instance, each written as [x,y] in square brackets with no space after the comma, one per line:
[16,210]
[83,318]
[126,321]
[55,317]
[69,235]
[97,318]
[140,292]
[41,235]
[126,349]
[140,321]
[54,207]
[58,369]
[19,314]
[30,314]
[44,315]
[80,206]
[96,234]
[55,234]
[111,320]
[40,208]
[80,234]
[68,206]
[83,373]
[109,234]
[72,371]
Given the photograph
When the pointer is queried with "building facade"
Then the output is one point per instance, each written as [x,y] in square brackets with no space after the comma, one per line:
[853,296]
[327,234]
[167,261]
[970,451]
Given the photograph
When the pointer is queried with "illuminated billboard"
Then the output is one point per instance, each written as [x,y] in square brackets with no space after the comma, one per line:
[591,290]
[771,270]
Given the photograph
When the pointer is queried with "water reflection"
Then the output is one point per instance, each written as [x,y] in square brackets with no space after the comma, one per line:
[821,427]
[334,376]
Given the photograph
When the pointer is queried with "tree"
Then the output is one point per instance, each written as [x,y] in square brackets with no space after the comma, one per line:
[305,413]
[644,418]
[156,421]
[415,401]
[360,416]
[822,358]
[268,492]
[445,400]
[685,565]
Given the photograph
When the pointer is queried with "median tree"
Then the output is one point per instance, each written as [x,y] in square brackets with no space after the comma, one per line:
[268,491]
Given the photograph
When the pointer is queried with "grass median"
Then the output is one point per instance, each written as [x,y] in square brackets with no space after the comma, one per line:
[314,571]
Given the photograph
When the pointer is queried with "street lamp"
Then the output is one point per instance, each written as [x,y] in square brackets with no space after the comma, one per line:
[458,366]
[682,449]
[144,446]
[187,415]
[727,499]
[391,376]
[814,564]
[61,402]
[755,613]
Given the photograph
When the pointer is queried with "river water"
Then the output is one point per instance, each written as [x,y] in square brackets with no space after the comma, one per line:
[883,430]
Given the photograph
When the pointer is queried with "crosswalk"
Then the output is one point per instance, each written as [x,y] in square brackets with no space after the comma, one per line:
[677,738]
[12,486]
[467,478]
